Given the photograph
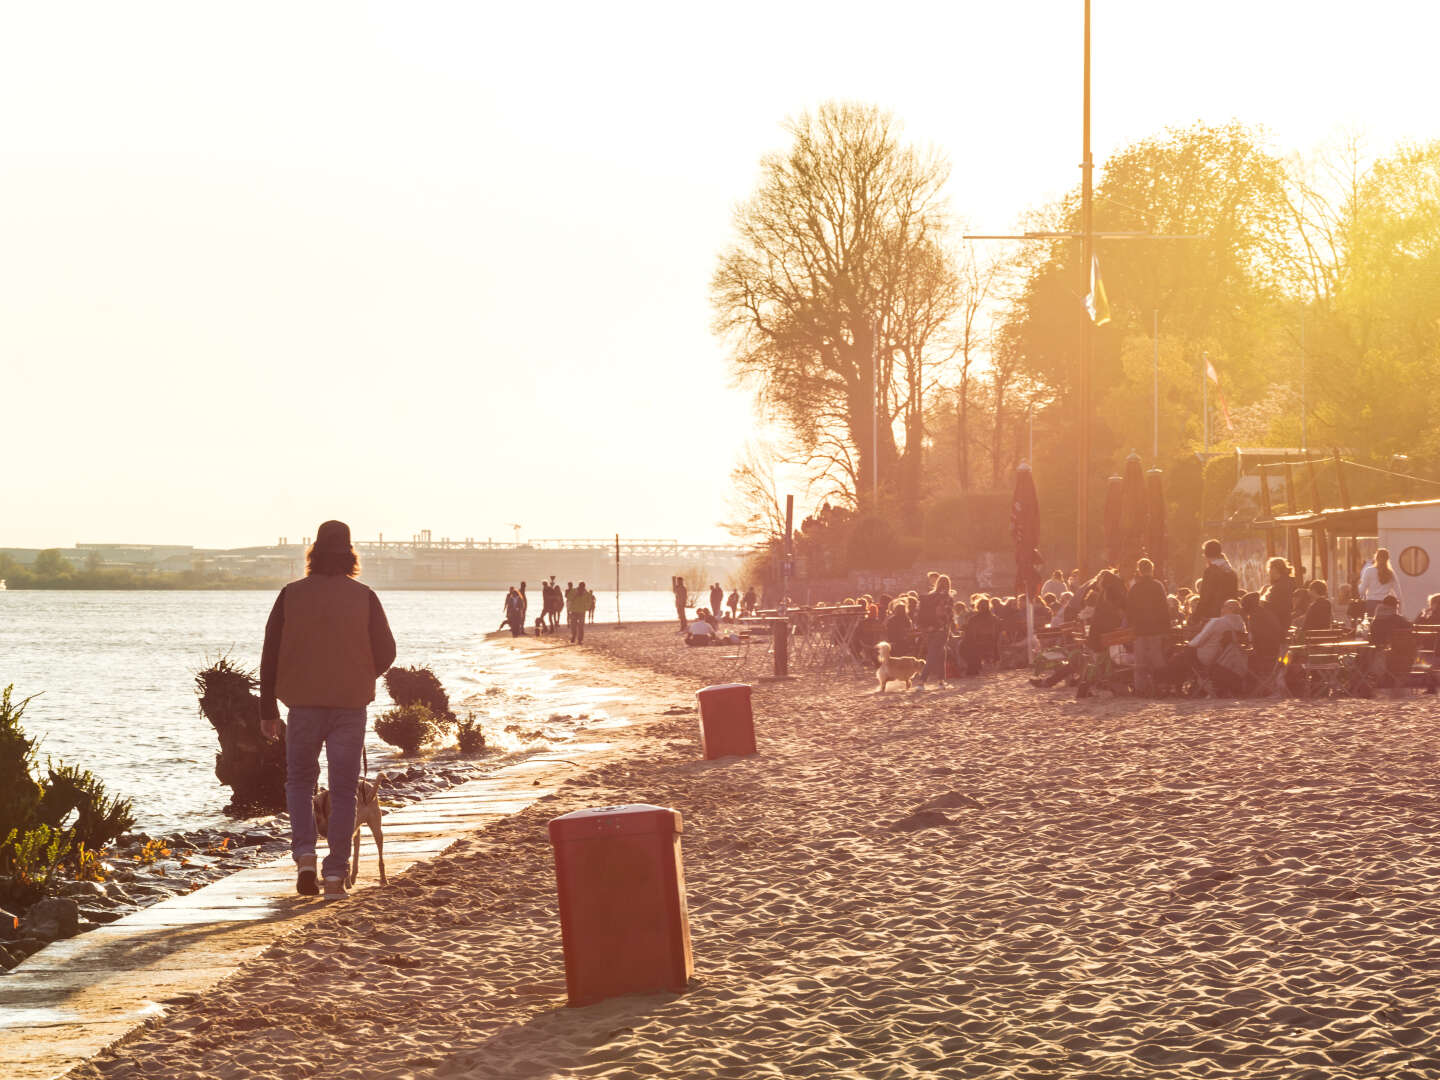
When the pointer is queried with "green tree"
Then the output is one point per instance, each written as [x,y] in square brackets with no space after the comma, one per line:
[51,565]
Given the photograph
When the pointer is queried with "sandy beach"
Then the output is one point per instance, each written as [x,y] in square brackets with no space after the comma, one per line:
[983,881]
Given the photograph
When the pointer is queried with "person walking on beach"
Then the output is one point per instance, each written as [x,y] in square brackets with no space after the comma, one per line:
[717,599]
[933,615]
[682,598]
[747,604]
[524,607]
[326,642]
[733,603]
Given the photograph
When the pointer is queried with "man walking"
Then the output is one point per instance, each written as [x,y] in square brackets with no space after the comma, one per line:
[326,642]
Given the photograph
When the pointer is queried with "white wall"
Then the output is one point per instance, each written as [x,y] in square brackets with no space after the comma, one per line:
[1415,526]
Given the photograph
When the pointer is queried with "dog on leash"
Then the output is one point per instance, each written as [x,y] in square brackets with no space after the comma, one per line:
[895,668]
[367,812]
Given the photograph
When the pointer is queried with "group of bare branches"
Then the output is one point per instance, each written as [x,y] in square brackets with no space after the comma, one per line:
[853,312]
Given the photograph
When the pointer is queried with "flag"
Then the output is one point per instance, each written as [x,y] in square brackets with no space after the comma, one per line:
[1096,302]
[1214,376]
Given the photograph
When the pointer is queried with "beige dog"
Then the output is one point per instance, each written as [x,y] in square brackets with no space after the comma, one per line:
[367,812]
[895,668]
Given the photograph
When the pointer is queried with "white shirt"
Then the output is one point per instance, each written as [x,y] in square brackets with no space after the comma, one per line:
[1052,588]
[701,628]
[1372,589]
[1207,643]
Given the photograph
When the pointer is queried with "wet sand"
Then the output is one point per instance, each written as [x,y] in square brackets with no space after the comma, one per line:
[983,881]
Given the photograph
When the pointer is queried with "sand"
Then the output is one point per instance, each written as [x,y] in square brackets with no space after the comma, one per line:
[983,881]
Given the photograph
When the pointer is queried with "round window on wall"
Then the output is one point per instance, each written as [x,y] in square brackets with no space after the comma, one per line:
[1414,561]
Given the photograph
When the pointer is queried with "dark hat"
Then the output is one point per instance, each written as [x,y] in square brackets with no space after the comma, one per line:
[1391,599]
[333,536]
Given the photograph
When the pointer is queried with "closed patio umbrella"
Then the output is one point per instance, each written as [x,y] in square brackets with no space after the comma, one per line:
[1156,540]
[1132,515]
[1112,520]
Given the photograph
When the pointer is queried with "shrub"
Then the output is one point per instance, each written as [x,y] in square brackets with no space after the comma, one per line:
[40,836]
[99,819]
[250,765]
[419,686]
[470,735]
[29,860]
[19,792]
[408,727]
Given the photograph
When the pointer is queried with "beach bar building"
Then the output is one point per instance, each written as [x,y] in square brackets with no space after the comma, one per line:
[1338,541]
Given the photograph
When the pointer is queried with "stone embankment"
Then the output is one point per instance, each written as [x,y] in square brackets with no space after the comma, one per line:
[142,869]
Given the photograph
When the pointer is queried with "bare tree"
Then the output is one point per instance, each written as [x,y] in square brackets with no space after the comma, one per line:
[977,277]
[755,505]
[818,294]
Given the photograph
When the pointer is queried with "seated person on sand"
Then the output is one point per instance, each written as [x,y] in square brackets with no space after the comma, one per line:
[1318,614]
[1386,621]
[1267,636]
[1431,615]
[1217,647]
[980,640]
[702,630]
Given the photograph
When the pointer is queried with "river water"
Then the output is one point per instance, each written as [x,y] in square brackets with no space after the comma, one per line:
[114,671]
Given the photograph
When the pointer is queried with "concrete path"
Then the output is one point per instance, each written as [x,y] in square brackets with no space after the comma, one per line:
[73,998]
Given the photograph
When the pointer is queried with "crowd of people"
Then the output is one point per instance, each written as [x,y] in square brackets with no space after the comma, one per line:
[1217,635]
[575,602]
[738,607]
[1209,633]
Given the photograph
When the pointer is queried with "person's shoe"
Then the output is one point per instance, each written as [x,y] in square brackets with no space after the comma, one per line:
[305,876]
[335,889]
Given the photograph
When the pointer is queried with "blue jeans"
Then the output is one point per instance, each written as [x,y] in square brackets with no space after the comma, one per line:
[342,733]
[934,656]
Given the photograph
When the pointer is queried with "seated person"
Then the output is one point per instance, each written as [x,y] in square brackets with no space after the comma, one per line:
[1431,615]
[1386,621]
[1318,614]
[899,630]
[1217,646]
[701,632]
[1299,606]
[1348,609]
[980,641]
[1267,636]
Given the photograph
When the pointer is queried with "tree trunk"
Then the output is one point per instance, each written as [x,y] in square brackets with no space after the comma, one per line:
[996,438]
[962,432]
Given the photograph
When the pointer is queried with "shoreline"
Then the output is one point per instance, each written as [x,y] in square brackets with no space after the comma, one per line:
[978,882]
[78,1013]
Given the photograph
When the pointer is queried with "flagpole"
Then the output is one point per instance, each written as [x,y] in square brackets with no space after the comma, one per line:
[1304,441]
[1205,399]
[1155,453]
[1087,329]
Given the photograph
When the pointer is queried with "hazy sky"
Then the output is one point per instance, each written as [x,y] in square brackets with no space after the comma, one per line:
[445,266]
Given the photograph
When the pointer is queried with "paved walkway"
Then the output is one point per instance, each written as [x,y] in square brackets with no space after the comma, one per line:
[73,998]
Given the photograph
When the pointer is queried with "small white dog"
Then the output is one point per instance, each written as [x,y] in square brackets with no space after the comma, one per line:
[367,812]
[895,668]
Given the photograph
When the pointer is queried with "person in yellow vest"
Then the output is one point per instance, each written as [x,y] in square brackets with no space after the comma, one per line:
[326,642]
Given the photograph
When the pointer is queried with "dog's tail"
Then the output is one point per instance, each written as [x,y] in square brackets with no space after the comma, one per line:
[882,651]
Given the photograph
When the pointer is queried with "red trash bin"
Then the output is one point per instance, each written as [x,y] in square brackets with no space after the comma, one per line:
[727,725]
[622,901]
